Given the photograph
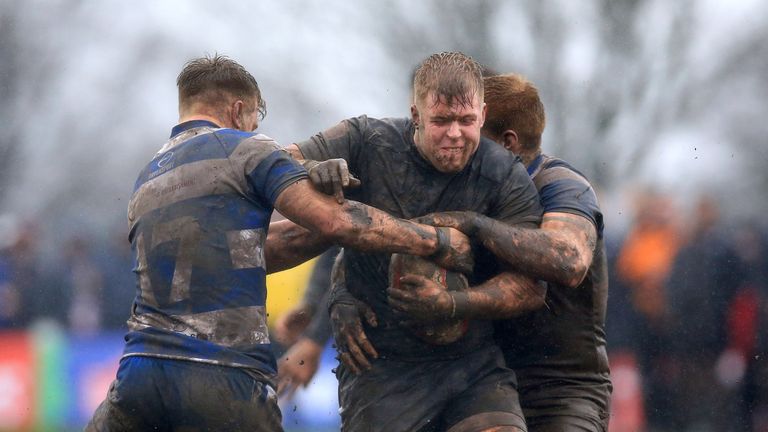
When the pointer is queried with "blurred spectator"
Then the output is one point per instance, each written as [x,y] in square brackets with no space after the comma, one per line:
[743,363]
[11,310]
[642,267]
[701,285]
[84,280]
[25,283]
[119,282]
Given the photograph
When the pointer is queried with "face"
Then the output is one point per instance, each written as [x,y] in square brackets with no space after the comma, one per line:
[448,133]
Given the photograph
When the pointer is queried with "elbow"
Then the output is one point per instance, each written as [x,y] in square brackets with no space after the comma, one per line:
[573,268]
[574,275]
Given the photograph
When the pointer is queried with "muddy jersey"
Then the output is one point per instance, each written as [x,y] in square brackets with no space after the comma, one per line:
[198,220]
[565,340]
[398,180]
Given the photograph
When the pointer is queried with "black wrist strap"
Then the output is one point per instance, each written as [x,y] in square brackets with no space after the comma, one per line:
[443,243]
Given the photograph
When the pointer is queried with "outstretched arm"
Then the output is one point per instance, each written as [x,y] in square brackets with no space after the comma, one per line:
[561,251]
[368,229]
[289,244]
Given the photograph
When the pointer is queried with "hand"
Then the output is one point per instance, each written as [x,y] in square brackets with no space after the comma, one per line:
[457,254]
[290,325]
[297,367]
[421,299]
[351,343]
[331,177]
[464,221]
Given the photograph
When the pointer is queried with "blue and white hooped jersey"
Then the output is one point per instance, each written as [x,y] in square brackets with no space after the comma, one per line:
[198,221]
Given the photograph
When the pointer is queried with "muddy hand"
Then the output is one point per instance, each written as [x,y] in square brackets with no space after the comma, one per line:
[454,251]
[464,221]
[421,299]
[353,346]
[297,367]
[331,177]
[290,325]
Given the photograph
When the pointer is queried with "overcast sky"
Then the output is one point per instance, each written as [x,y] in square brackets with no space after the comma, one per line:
[667,94]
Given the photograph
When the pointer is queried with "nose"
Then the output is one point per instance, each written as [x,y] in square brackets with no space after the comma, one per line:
[454,131]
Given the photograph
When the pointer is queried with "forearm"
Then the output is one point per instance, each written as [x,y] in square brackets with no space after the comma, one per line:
[541,253]
[289,245]
[503,296]
[368,229]
[337,293]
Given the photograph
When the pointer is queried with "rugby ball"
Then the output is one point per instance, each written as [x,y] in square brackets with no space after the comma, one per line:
[436,333]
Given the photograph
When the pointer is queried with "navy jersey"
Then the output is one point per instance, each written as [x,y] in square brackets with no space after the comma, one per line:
[198,220]
[398,180]
[563,342]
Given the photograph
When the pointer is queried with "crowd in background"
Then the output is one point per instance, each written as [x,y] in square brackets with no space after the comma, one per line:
[688,302]
[688,298]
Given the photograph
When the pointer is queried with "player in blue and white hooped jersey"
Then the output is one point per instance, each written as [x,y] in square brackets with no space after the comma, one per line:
[197,354]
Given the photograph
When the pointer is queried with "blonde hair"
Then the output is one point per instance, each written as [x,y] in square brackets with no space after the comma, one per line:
[454,77]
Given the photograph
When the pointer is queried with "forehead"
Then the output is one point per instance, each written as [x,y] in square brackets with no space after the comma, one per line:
[440,105]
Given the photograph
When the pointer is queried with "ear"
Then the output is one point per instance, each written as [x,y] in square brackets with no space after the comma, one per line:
[510,142]
[484,114]
[415,115]
[235,115]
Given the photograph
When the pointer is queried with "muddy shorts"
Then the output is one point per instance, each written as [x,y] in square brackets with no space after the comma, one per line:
[576,402]
[470,393]
[152,394]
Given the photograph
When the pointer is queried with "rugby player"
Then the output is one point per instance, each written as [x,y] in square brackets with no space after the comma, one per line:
[197,354]
[433,161]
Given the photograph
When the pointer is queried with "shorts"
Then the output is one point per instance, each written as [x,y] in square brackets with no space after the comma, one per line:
[154,394]
[470,393]
[565,423]
[577,402]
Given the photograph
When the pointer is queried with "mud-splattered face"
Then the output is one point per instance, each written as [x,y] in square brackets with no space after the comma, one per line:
[448,132]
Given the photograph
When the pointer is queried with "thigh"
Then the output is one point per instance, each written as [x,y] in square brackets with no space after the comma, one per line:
[392,396]
[160,394]
[490,400]
[133,402]
[578,402]
[209,397]
[564,423]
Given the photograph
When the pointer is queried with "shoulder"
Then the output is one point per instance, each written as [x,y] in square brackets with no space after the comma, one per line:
[552,170]
[387,133]
[392,129]
[563,188]
[234,137]
[496,163]
[250,149]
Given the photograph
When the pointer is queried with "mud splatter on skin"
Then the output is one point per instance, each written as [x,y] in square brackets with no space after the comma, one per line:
[358,213]
[542,253]
[289,244]
[503,296]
